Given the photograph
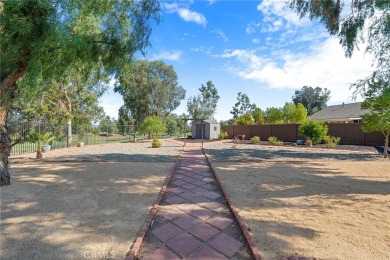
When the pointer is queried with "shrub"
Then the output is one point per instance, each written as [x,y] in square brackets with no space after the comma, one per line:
[223,135]
[255,139]
[314,130]
[309,143]
[273,140]
[332,141]
[156,143]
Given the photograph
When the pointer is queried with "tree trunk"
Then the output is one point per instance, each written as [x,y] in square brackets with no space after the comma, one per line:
[7,88]
[69,134]
[385,152]
[5,149]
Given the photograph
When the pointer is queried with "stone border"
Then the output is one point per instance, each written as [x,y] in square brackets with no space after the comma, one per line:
[233,209]
[136,245]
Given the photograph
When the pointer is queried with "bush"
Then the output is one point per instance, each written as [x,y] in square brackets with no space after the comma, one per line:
[223,135]
[332,141]
[309,143]
[156,143]
[255,139]
[273,140]
[315,131]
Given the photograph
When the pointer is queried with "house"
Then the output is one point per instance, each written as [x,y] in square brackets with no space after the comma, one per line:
[211,129]
[344,113]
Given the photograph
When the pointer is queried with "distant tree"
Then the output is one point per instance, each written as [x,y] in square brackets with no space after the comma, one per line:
[258,116]
[153,125]
[108,125]
[294,114]
[171,125]
[149,88]
[377,99]
[203,106]
[313,99]
[243,105]
[273,115]
[245,120]
[357,22]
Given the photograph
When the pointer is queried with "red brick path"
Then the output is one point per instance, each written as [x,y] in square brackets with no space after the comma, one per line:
[193,220]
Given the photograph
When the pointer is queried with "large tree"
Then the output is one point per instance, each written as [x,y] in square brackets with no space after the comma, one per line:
[41,40]
[150,88]
[313,99]
[273,115]
[204,105]
[68,100]
[364,23]
[294,114]
[377,99]
[243,106]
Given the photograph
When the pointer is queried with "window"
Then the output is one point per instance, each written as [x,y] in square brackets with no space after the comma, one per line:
[215,128]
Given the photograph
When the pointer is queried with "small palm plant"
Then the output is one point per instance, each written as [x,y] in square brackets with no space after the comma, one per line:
[41,139]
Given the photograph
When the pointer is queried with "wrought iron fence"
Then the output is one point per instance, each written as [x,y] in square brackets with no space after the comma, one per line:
[80,135]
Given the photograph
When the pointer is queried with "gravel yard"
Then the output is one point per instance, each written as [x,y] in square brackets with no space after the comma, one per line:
[121,152]
[79,201]
[227,151]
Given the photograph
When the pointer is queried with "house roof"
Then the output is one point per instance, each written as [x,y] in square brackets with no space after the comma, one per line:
[343,112]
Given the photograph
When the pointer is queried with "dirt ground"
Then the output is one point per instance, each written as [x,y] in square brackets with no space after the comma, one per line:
[76,210]
[321,210]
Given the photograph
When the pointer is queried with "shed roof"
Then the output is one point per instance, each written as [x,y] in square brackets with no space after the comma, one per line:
[208,121]
[351,111]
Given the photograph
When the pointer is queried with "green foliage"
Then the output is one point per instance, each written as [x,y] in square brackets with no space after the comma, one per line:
[273,115]
[359,22]
[156,143]
[315,131]
[204,105]
[153,125]
[149,88]
[258,116]
[171,125]
[294,114]
[274,140]
[223,135]
[108,126]
[332,141]
[243,106]
[377,99]
[245,120]
[255,139]
[40,139]
[313,99]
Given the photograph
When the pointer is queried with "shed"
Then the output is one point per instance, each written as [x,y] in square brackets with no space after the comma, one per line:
[211,129]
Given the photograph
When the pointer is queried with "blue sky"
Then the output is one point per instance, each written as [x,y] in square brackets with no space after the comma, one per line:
[255,47]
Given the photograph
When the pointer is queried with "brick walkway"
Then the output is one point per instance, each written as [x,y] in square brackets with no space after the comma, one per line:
[193,220]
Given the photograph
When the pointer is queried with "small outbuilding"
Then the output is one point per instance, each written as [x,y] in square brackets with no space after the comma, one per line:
[211,129]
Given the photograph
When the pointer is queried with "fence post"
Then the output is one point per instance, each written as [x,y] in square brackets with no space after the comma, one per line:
[106,134]
[86,135]
[134,133]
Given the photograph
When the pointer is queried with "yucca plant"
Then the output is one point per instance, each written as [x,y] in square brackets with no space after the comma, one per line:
[41,139]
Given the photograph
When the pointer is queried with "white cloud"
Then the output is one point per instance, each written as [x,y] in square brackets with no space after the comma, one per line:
[166,55]
[211,2]
[185,13]
[322,65]
[192,16]
[256,40]
[221,34]
[252,27]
